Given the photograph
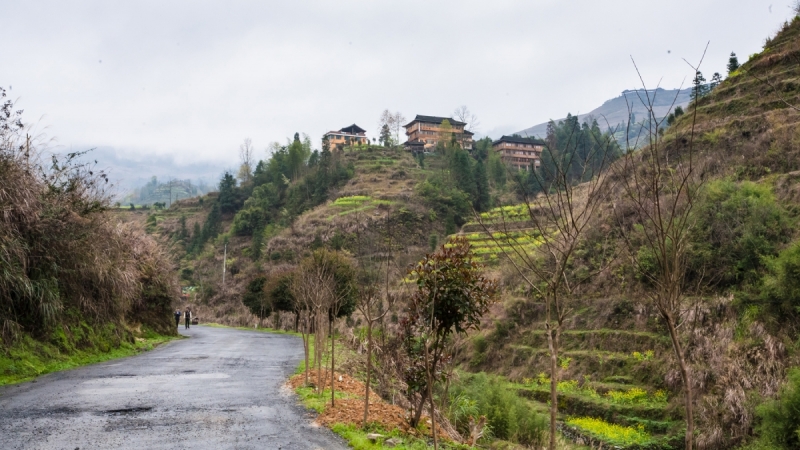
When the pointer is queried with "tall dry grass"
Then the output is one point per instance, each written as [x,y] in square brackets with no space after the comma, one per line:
[61,253]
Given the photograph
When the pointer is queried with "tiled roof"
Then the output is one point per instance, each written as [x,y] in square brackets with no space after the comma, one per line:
[355,129]
[434,119]
[519,140]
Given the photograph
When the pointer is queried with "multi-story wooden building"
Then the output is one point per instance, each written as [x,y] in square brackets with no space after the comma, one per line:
[520,152]
[346,137]
[424,132]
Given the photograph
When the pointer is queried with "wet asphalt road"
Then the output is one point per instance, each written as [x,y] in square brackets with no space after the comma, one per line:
[220,389]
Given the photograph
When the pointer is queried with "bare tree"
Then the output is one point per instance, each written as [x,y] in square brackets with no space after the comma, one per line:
[247,161]
[558,217]
[661,184]
[309,290]
[463,114]
[392,120]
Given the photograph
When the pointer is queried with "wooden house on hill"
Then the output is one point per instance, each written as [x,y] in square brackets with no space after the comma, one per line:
[522,153]
[424,132]
[346,137]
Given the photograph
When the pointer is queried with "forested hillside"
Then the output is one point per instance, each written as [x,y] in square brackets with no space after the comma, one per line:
[652,289]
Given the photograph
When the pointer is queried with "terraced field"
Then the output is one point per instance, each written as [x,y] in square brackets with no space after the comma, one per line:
[611,388]
[510,233]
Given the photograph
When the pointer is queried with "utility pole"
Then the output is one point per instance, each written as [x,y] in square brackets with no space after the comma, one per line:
[224,261]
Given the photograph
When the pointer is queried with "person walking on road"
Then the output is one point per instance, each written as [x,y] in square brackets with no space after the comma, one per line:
[177,317]
[188,316]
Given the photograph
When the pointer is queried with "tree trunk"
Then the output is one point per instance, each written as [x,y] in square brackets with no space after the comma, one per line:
[333,354]
[687,383]
[306,345]
[369,369]
[429,374]
[552,343]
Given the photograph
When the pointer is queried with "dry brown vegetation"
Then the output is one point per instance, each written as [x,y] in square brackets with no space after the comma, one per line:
[63,257]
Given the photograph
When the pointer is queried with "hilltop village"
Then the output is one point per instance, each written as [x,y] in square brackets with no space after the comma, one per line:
[628,287]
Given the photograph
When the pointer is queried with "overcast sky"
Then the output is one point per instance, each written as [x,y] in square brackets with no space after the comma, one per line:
[192,79]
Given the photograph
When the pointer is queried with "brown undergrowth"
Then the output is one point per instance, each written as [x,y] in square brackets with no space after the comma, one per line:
[350,410]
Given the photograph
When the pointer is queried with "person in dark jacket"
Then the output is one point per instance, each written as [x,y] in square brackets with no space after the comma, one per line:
[188,316]
[177,317]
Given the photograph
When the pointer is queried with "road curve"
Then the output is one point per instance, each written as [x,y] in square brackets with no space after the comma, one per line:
[219,389]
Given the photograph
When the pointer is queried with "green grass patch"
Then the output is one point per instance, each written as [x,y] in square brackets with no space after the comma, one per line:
[29,358]
[357,438]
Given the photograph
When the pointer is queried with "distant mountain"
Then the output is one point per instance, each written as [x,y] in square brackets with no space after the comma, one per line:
[615,111]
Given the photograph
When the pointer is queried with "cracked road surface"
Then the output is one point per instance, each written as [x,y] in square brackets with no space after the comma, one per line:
[220,389]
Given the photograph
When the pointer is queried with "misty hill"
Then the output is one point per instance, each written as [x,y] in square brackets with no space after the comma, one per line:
[130,173]
[615,111]
[166,192]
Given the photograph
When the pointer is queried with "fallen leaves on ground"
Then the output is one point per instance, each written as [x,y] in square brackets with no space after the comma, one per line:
[351,410]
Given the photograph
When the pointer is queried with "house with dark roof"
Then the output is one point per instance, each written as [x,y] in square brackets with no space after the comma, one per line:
[522,153]
[346,137]
[426,131]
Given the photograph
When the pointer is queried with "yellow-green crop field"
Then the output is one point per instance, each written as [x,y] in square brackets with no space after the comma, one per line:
[490,249]
[511,213]
[355,203]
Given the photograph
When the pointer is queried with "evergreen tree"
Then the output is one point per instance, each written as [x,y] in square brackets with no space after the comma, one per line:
[699,89]
[212,226]
[461,171]
[227,193]
[386,136]
[481,202]
[497,169]
[733,64]
[716,79]
[197,235]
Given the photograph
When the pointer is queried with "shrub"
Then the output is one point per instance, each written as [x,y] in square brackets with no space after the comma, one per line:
[508,416]
[779,426]
[738,225]
[782,283]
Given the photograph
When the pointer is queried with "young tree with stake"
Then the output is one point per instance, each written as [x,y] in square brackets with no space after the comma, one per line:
[451,297]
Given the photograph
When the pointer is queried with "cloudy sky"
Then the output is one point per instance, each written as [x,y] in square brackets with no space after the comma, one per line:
[192,79]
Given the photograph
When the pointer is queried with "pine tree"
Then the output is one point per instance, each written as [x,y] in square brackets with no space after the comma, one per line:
[482,200]
[700,88]
[461,171]
[227,193]
[733,64]
[386,136]
[715,81]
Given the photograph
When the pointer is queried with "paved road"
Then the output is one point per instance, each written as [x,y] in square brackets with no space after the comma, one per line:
[220,389]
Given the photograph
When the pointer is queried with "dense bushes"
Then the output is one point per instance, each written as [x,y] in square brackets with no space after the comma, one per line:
[779,426]
[61,251]
[738,225]
[509,417]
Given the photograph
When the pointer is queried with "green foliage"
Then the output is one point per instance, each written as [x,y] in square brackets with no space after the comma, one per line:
[782,283]
[738,225]
[779,419]
[451,297]
[278,290]
[443,197]
[28,358]
[481,200]
[256,299]
[509,417]
[611,433]
[733,64]
[578,151]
